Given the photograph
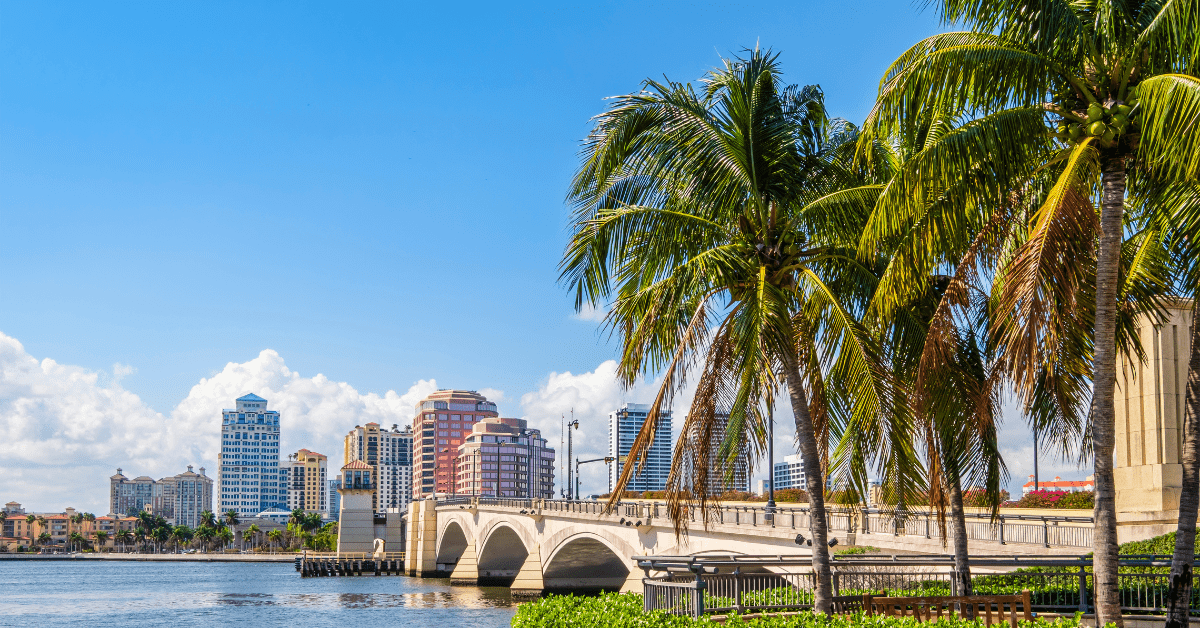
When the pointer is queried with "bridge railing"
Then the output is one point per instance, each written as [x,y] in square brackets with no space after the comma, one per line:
[1061,584]
[1044,530]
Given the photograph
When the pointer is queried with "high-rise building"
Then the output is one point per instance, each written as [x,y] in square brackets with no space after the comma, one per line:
[306,480]
[442,423]
[193,494]
[718,482]
[389,452]
[504,458]
[335,498]
[129,497]
[249,465]
[790,473]
[623,427]
[163,498]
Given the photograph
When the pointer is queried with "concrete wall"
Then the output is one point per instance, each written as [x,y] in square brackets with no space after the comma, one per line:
[356,521]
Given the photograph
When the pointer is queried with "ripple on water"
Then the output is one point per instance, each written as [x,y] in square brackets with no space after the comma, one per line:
[46,593]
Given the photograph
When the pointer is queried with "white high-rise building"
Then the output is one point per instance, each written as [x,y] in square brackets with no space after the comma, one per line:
[623,427]
[249,467]
[790,473]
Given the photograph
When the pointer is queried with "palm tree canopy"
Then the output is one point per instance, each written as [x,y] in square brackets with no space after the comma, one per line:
[719,223]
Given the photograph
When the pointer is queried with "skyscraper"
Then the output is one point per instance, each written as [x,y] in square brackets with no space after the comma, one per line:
[504,458]
[717,481]
[390,454]
[623,427]
[443,420]
[249,465]
[128,496]
[306,481]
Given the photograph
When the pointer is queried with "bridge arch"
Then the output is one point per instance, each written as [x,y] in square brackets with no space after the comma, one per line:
[501,553]
[452,541]
[587,560]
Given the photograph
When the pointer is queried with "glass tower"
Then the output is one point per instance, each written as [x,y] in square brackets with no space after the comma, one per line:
[623,428]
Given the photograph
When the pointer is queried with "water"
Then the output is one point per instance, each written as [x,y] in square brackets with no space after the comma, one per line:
[176,594]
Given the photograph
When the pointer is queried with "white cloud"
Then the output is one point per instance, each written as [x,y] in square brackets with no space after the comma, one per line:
[63,430]
[590,313]
[493,395]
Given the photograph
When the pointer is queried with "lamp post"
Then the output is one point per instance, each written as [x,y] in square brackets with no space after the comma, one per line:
[573,424]
[606,459]
[770,510]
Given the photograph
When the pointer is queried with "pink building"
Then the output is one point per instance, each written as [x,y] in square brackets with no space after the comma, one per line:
[443,421]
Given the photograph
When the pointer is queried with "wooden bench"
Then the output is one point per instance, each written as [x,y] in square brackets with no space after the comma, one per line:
[933,608]
[847,604]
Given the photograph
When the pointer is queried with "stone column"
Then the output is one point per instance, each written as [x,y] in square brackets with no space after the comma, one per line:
[529,582]
[1149,428]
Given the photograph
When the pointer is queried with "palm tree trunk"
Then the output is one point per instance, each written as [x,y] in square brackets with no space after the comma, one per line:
[815,482]
[958,522]
[1179,594]
[1104,372]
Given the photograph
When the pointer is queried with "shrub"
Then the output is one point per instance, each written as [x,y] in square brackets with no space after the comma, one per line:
[851,551]
[624,610]
[1080,499]
[791,495]
[1040,499]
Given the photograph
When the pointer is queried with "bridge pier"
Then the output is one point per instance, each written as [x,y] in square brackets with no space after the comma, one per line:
[466,572]
[421,559]
[529,581]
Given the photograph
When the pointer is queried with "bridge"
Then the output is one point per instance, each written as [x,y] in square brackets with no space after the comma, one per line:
[535,545]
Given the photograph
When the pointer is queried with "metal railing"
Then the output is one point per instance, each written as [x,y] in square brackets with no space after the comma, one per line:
[1062,584]
[1043,530]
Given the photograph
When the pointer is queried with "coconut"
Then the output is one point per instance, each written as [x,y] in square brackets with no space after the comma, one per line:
[1096,129]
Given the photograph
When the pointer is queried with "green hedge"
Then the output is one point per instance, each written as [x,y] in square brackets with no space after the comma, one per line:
[624,610]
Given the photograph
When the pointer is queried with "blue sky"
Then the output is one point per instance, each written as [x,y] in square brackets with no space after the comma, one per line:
[373,191]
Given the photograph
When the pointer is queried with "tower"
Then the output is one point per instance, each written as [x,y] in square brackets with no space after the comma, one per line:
[623,427]
[443,421]
[248,471]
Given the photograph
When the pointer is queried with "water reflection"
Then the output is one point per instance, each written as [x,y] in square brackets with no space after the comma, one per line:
[174,595]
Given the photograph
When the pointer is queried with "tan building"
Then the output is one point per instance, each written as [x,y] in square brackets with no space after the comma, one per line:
[389,452]
[504,458]
[178,498]
[306,482]
[443,421]
[24,529]
[1150,402]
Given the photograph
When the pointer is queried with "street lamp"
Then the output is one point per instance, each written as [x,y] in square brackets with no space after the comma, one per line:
[573,424]
[606,459]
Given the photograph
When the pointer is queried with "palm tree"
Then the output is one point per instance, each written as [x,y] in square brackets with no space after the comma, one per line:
[205,534]
[29,521]
[43,538]
[76,541]
[724,208]
[181,534]
[207,518]
[124,537]
[253,531]
[275,536]
[231,518]
[161,535]
[101,538]
[1116,83]
[225,536]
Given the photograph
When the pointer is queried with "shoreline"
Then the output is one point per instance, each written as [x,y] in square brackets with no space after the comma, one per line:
[197,558]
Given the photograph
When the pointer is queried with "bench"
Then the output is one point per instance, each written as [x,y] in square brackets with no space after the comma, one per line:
[992,609]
